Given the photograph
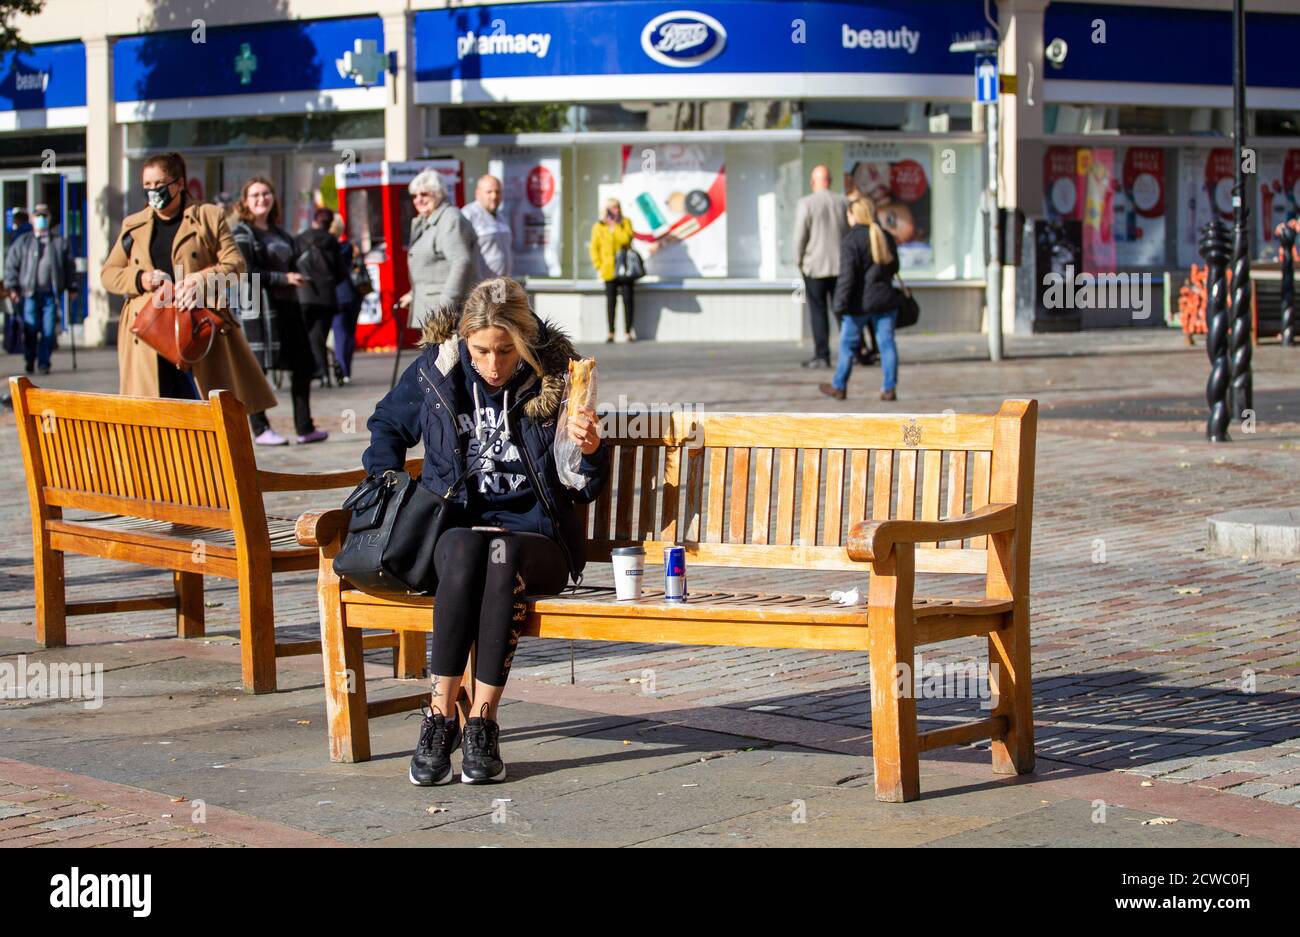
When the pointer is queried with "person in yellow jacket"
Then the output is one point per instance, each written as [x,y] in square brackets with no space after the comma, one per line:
[609,235]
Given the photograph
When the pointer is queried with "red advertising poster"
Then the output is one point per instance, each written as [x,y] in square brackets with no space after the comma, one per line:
[1139,208]
[1279,197]
[1060,184]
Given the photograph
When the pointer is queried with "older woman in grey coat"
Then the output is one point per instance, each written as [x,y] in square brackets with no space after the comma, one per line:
[441,256]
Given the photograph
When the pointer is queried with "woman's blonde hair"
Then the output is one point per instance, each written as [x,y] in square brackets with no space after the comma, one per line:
[502,303]
[863,211]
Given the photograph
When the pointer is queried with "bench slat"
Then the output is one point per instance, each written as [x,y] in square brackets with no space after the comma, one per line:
[762,495]
[980,491]
[626,489]
[672,488]
[849,431]
[645,518]
[694,494]
[905,510]
[785,494]
[810,492]
[833,527]
[715,514]
[739,496]
[932,477]
[956,490]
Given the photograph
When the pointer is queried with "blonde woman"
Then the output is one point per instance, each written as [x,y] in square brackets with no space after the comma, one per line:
[611,234]
[489,365]
[865,296]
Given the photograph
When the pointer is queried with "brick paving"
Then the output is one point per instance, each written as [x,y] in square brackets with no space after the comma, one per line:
[1151,657]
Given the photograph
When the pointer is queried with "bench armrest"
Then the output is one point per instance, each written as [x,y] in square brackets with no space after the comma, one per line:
[323,481]
[873,540]
[308,481]
[318,528]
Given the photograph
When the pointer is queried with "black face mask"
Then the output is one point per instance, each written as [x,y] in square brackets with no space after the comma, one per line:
[158,198]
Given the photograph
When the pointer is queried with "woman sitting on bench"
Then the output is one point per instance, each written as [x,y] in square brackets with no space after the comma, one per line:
[494,365]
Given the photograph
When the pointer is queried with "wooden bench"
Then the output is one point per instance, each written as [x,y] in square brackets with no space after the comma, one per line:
[846,498]
[171,484]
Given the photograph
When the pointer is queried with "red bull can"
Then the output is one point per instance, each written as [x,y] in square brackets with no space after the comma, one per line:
[675,574]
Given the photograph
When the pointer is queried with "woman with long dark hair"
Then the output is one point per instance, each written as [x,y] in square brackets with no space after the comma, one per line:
[269,252]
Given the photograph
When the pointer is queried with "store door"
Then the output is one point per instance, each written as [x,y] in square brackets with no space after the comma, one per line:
[65,195]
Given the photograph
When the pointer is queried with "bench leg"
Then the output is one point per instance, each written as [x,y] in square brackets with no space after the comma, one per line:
[344,666]
[894,745]
[257,630]
[51,603]
[1009,680]
[189,604]
[409,657]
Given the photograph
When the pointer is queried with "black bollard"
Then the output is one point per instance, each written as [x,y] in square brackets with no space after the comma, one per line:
[1286,237]
[1243,324]
[1214,248]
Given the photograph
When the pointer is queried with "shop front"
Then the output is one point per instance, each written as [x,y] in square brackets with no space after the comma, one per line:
[288,102]
[43,146]
[705,123]
[1134,205]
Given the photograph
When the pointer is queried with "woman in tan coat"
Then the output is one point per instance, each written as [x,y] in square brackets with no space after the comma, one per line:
[177,238]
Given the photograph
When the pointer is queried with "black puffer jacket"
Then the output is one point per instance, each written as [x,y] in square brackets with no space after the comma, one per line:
[423,407]
[865,286]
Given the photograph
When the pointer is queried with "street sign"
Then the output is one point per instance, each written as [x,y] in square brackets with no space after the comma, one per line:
[986,79]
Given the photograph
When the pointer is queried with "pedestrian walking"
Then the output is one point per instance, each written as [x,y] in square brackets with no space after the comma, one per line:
[611,234]
[493,255]
[440,258]
[38,268]
[321,264]
[177,239]
[484,395]
[819,226]
[348,297]
[865,297]
[269,252]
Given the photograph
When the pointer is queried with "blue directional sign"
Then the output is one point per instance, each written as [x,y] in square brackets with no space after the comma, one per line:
[986,79]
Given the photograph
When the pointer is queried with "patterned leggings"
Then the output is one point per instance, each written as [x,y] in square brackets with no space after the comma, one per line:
[483,578]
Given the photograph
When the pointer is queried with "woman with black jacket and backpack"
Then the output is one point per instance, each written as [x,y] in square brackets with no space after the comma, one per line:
[321,263]
[270,253]
[484,395]
[865,296]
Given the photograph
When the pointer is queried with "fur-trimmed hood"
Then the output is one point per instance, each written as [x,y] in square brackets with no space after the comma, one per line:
[553,351]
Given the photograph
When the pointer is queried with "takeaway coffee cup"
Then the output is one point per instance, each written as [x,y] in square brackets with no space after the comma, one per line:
[629,570]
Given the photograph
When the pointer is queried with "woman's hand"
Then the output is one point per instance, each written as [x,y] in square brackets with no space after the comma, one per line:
[154,279]
[295,279]
[585,430]
[405,301]
[187,291]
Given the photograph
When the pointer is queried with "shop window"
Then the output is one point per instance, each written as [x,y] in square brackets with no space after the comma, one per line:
[908,116]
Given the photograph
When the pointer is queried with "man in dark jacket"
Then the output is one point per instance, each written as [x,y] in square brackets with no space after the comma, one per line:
[323,267]
[38,268]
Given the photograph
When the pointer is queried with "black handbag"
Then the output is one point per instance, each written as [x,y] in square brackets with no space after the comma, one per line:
[628,265]
[909,311]
[394,529]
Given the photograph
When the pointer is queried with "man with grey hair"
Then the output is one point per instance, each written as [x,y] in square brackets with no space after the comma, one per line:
[484,213]
[440,257]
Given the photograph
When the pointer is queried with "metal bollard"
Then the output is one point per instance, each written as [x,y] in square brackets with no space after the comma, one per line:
[1286,238]
[1214,249]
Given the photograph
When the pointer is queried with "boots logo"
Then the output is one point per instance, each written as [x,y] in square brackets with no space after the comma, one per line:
[683,38]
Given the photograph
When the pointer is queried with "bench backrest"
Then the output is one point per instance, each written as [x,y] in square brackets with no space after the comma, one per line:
[183,461]
[780,490]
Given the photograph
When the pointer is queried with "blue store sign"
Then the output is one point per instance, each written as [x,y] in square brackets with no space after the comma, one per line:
[534,51]
[49,76]
[289,63]
[1121,46]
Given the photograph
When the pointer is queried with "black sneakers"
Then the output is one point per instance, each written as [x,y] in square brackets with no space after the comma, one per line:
[431,763]
[481,759]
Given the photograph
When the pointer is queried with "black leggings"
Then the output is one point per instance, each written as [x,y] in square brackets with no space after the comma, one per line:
[482,581]
[612,289]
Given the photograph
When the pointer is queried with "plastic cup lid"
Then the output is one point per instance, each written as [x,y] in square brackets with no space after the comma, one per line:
[628,551]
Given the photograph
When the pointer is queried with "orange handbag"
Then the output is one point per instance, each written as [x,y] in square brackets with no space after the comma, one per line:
[182,336]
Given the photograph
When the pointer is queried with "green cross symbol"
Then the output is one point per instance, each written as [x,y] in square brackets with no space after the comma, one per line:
[245,64]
